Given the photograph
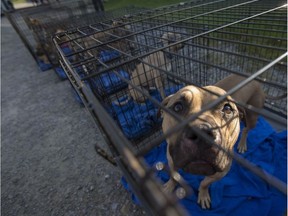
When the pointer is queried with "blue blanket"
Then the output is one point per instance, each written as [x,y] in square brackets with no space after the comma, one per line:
[109,82]
[43,66]
[61,73]
[138,119]
[107,55]
[106,83]
[240,192]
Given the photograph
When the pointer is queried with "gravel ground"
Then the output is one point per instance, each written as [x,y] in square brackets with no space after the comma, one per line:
[49,166]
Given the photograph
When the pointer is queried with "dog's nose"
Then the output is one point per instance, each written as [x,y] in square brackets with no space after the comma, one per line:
[201,135]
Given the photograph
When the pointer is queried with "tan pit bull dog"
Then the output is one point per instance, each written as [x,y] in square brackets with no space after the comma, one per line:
[147,77]
[187,150]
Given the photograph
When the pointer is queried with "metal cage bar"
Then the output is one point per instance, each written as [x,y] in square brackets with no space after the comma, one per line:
[19,19]
[211,40]
[36,25]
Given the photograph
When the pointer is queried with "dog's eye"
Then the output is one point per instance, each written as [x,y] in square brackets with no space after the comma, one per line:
[227,109]
[178,107]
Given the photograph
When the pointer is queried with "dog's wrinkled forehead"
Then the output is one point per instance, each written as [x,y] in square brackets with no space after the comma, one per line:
[214,92]
[187,94]
[195,97]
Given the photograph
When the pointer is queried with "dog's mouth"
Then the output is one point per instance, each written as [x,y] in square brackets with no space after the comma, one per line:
[200,167]
[197,156]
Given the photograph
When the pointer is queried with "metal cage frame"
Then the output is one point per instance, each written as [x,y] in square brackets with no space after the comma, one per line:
[57,24]
[219,38]
[37,37]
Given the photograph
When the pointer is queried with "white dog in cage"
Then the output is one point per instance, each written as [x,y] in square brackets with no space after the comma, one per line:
[148,74]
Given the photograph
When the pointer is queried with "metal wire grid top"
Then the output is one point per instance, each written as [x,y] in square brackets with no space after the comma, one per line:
[49,25]
[201,26]
[209,24]
[20,20]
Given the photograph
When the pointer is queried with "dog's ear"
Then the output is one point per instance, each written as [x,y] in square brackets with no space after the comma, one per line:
[242,114]
[164,103]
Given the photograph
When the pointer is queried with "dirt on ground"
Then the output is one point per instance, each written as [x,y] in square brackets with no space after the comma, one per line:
[48,162]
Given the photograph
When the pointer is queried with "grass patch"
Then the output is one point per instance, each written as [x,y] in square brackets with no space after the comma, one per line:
[18,1]
[116,4]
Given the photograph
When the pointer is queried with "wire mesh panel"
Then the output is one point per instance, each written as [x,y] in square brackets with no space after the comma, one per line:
[171,70]
[27,27]
[47,26]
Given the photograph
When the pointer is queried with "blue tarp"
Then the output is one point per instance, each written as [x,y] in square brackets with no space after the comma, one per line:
[61,73]
[107,55]
[109,82]
[138,119]
[240,192]
[43,66]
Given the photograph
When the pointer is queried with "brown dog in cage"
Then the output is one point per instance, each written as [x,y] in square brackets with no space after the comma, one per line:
[146,76]
[187,150]
[39,34]
[44,49]
[118,30]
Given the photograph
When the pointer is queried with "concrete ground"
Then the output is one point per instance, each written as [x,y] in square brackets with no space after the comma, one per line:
[49,166]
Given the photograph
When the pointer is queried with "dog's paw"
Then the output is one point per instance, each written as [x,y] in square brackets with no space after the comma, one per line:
[169,186]
[204,199]
[242,147]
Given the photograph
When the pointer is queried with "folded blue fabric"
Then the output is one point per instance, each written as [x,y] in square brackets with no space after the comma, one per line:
[109,82]
[107,55]
[135,119]
[61,73]
[43,66]
[240,192]
[66,49]
[138,119]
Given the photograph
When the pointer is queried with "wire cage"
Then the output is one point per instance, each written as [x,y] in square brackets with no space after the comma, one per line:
[58,24]
[27,27]
[36,25]
[124,68]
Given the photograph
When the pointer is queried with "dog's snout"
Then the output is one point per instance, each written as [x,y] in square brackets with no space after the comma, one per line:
[201,134]
[207,129]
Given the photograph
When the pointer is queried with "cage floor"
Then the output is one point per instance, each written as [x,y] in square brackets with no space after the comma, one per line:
[47,168]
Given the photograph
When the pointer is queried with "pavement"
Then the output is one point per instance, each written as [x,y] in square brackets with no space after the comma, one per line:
[48,162]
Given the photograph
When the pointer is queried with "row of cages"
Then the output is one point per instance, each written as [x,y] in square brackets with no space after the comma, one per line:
[151,82]
[37,25]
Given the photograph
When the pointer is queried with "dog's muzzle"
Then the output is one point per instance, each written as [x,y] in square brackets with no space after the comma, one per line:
[194,152]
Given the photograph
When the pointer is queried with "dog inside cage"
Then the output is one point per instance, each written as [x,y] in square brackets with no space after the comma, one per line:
[193,90]
[37,25]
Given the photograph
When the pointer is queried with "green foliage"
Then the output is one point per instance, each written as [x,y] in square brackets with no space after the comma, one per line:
[115,4]
[18,1]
